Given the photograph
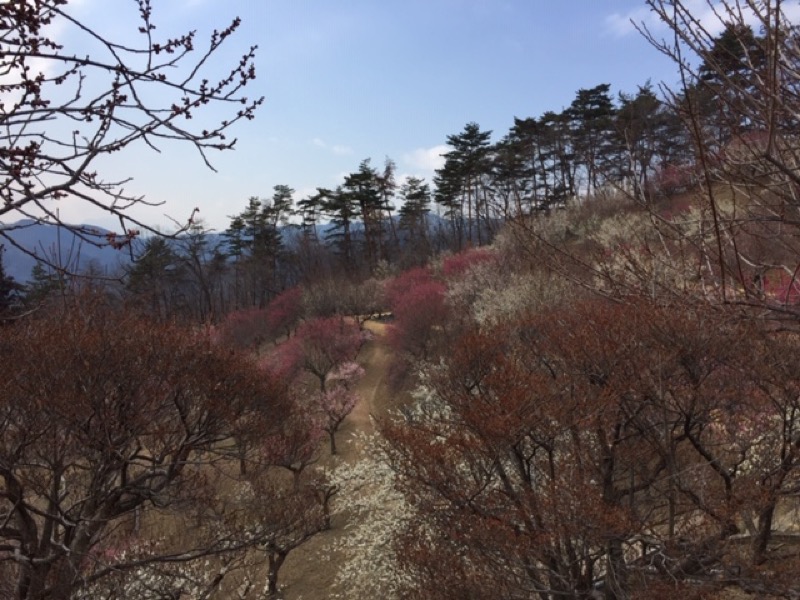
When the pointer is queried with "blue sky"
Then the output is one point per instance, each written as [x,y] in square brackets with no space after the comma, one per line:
[346,80]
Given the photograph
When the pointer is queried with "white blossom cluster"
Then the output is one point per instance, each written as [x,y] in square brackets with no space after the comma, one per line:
[377,513]
[195,580]
[200,579]
[492,296]
[142,573]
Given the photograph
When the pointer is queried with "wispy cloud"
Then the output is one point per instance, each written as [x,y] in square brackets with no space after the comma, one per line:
[426,159]
[341,150]
[190,4]
[337,149]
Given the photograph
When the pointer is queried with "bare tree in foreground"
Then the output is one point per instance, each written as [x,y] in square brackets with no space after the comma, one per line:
[738,99]
[62,111]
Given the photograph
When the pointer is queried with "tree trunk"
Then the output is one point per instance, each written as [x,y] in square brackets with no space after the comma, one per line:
[275,561]
[241,451]
[616,578]
[296,478]
[761,541]
[34,582]
[332,435]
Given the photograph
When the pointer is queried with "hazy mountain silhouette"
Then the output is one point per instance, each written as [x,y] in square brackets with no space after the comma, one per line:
[26,240]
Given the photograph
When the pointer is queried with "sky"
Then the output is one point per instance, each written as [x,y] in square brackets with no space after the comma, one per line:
[345,80]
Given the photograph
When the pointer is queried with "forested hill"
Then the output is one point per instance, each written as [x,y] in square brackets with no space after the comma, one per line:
[574,357]
[640,143]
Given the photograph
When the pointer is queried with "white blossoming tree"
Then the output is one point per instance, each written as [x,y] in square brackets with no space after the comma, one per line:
[377,515]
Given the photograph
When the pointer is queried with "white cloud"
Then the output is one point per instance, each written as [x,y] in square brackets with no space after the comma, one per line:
[620,25]
[402,178]
[304,191]
[792,12]
[318,143]
[426,159]
[56,31]
[710,14]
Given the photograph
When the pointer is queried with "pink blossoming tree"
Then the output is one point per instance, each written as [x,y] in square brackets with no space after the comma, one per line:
[339,398]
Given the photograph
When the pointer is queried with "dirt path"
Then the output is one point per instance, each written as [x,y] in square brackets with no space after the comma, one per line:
[372,393]
[310,570]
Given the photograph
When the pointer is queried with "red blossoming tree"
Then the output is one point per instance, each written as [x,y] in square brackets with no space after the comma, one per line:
[285,311]
[417,301]
[104,417]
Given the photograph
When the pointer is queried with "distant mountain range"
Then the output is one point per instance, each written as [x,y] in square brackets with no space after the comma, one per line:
[26,240]
[23,241]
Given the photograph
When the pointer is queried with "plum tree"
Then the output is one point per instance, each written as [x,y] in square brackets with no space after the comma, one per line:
[105,416]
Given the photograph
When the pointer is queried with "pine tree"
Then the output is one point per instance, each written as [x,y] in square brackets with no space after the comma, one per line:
[387,186]
[416,195]
[9,289]
[448,196]
[153,278]
[652,137]
[513,175]
[464,180]
[557,158]
[202,278]
[728,76]
[361,190]
[342,207]
[637,124]
[309,210]
[592,119]
[533,177]
[255,241]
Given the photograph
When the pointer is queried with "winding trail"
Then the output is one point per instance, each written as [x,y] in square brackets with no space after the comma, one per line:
[373,395]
